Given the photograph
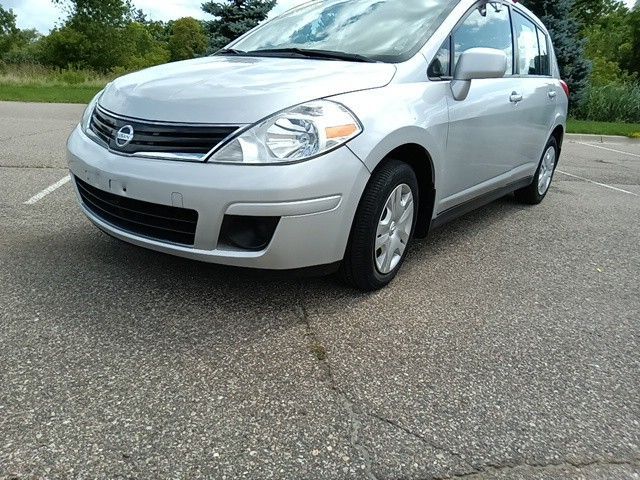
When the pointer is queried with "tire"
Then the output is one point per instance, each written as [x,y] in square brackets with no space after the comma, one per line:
[537,191]
[365,267]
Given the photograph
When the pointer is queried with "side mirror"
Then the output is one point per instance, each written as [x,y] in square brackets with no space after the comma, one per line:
[477,64]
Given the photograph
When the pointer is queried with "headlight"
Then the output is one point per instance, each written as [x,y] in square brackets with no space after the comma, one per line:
[299,133]
[88,113]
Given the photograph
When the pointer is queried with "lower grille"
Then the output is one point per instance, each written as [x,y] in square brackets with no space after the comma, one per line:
[158,222]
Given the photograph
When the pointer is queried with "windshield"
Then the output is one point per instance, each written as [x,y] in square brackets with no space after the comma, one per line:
[383,30]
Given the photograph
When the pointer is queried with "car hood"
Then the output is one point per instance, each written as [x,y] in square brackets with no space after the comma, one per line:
[236,90]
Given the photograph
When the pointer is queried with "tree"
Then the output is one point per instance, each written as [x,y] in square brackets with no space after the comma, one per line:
[104,35]
[7,22]
[187,39]
[634,25]
[609,46]
[234,18]
[16,46]
[112,13]
[92,35]
[590,11]
[565,29]
[141,50]
[8,29]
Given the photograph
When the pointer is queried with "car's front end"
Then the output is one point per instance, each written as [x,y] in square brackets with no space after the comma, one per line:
[254,179]
[262,216]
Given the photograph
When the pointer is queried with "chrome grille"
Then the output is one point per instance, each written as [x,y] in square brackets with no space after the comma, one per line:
[182,142]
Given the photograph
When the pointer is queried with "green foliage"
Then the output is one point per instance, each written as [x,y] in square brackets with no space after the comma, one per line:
[589,11]
[609,45]
[85,14]
[234,18]
[7,24]
[15,45]
[101,35]
[140,49]
[565,29]
[634,27]
[187,39]
[611,103]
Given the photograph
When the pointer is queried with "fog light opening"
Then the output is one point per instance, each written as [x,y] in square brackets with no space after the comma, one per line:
[248,233]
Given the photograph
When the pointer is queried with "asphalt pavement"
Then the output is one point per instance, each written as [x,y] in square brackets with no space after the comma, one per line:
[508,347]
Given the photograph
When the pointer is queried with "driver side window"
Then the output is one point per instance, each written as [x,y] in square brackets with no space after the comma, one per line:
[487,26]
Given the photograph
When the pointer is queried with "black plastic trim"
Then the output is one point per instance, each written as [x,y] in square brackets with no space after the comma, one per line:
[154,221]
[480,201]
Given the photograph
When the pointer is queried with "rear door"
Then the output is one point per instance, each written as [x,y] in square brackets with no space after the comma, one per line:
[537,88]
[481,149]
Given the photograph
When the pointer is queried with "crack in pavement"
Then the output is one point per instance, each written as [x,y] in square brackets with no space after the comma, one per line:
[355,413]
[351,409]
[419,437]
[493,469]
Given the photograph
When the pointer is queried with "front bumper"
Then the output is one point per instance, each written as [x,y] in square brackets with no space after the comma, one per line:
[315,200]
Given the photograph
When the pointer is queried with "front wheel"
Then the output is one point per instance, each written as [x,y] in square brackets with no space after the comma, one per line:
[535,193]
[383,227]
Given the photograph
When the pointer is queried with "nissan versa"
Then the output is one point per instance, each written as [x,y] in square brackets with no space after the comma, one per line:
[329,136]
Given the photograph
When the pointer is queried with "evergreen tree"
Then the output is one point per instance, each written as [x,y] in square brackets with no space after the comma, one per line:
[569,45]
[234,18]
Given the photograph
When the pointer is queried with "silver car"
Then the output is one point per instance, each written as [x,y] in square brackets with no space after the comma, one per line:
[329,136]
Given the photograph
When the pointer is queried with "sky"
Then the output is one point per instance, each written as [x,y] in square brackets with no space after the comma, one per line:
[43,15]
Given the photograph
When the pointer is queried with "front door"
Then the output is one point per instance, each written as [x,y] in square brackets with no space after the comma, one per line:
[481,152]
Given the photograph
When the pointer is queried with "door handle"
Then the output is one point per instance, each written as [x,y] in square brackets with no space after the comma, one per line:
[553,94]
[515,97]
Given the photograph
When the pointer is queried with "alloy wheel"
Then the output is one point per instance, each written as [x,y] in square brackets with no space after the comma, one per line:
[546,170]
[394,229]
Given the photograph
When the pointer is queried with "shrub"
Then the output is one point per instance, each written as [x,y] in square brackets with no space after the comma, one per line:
[611,103]
[73,77]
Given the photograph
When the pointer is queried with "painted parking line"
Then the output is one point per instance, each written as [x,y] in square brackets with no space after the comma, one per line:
[598,183]
[608,149]
[50,189]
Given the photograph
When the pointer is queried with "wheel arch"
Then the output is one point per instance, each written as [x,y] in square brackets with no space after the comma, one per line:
[558,134]
[420,160]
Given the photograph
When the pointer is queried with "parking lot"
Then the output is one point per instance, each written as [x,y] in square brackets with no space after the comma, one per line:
[508,347]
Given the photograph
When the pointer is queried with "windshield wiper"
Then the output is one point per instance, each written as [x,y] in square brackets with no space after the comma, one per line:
[230,51]
[310,53]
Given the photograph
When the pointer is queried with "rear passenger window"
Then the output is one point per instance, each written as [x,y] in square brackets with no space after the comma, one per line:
[488,26]
[533,56]
[544,60]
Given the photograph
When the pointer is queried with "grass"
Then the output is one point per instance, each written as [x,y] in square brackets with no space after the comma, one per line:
[47,94]
[34,83]
[604,128]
